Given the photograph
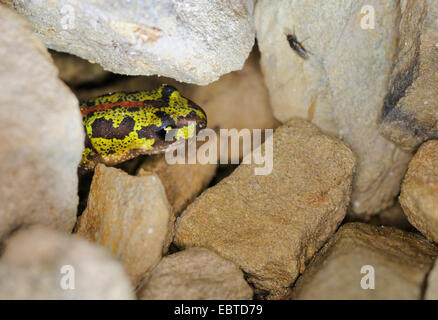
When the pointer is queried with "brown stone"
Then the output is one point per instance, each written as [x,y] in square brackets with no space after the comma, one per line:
[130,216]
[270,225]
[419,193]
[195,274]
[400,262]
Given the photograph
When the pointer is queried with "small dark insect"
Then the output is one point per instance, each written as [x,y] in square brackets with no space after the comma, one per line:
[297,46]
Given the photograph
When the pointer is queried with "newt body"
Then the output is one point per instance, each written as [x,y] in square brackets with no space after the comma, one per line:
[121,126]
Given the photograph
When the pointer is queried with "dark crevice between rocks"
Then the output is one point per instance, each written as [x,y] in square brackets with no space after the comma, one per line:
[258,294]
[110,79]
[223,171]
[84,184]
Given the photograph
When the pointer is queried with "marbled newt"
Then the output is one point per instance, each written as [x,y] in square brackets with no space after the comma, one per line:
[121,126]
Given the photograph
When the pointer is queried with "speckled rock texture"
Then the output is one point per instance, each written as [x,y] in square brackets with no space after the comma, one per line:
[400,262]
[41,133]
[40,263]
[189,40]
[410,113]
[195,274]
[130,216]
[341,87]
[419,193]
[182,182]
[270,225]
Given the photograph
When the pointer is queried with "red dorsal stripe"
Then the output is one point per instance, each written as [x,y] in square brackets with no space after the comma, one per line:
[127,104]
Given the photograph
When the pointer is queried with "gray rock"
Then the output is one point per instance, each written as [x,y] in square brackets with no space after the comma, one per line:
[191,41]
[41,134]
[341,86]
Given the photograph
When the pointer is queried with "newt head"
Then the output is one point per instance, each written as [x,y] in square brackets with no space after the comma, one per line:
[181,117]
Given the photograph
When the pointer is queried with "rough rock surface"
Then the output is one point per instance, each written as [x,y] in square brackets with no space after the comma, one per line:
[182,182]
[189,40]
[37,263]
[130,216]
[269,225]
[41,134]
[341,86]
[401,261]
[419,192]
[410,112]
[195,274]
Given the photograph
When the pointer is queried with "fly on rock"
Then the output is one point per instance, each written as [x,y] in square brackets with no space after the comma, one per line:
[297,46]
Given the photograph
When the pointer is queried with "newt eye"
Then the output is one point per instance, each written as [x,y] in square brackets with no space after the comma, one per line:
[163,131]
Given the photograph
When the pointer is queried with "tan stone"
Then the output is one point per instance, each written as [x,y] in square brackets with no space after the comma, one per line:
[38,262]
[341,87]
[270,225]
[195,274]
[400,262]
[41,134]
[182,182]
[130,216]
[419,193]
